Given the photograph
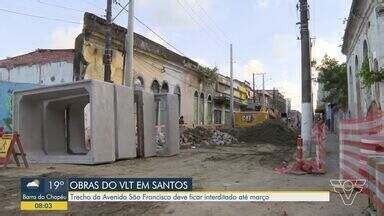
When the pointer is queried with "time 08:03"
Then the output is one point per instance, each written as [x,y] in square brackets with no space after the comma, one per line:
[43,205]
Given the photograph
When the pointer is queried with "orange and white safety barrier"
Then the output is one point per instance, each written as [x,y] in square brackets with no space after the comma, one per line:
[362,155]
[380,188]
[319,136]
[355,145]
[375,189]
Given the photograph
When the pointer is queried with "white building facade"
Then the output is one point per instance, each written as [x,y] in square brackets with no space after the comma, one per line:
[41,67]
[363,39]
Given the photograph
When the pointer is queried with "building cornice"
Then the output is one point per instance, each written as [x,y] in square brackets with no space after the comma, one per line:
[358,17]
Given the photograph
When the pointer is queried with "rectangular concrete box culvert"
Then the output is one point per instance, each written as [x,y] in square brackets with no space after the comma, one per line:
[50,122]
[167,130]
[145,123]
[124,121]
[157,124]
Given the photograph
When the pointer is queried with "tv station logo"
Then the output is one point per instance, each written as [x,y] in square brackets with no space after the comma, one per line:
[43,194]
[348,189]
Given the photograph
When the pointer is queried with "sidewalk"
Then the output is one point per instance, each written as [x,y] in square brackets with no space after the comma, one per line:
[332,149]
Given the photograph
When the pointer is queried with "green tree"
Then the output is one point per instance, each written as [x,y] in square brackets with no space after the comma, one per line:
[333,76]
[369,77]
[209,75]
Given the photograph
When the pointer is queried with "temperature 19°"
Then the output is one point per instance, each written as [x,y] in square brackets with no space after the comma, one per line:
[55,184]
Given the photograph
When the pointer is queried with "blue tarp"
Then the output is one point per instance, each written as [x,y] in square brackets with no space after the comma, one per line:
[6,91]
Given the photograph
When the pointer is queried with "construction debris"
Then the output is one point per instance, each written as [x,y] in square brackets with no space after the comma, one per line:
[195,135]
[271,131]
[221,138]
[201,136]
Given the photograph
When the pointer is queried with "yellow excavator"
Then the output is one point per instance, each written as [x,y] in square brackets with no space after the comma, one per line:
[272,114]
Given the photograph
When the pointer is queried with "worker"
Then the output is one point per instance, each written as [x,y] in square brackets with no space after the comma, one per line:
[181,120]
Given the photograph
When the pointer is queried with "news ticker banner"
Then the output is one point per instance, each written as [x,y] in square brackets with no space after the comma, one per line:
[53,194]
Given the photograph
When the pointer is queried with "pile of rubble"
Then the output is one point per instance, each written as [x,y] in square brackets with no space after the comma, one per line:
[201,136]
[221,138]
[195,135]
[273,132]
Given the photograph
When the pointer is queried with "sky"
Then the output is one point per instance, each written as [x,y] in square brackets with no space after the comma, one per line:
[263,32]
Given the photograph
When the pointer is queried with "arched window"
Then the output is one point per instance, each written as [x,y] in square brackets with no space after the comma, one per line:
[177,92]
[366,54]
[195,107]
[201,107]
[350,83]
[162,104]
[377,85]
[155,87]
[164,87]
[209,109]
[358,88]
[350,80]
[375,65]
[365,49]
[139,83]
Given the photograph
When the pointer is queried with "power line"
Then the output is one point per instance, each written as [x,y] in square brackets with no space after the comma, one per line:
[39,17]
[198,3]
[146,26]
[122,9]
[154,32]
[61,6]
[194,20]
[93,4]
[197,15]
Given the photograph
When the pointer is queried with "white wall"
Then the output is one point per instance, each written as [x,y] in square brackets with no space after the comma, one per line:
[42,74]
[373,33]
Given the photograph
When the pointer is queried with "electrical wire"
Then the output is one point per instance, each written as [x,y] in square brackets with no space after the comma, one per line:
[153,31]
[62,7]
[93,4]
[202,20]
[198,3]
[195,20]
[58,6]
[161,37]
[39,17]
[122,9]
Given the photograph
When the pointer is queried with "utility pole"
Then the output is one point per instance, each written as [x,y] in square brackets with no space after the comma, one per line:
[128,66]
[306,85]
[263,103]
[108,44]
[231,108]
[274,99]
[253,89]
[264,100]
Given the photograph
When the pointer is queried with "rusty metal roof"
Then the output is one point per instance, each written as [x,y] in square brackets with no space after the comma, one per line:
[39,56]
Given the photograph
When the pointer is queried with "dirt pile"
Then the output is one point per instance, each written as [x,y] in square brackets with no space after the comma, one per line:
[205,136]
[271,131]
